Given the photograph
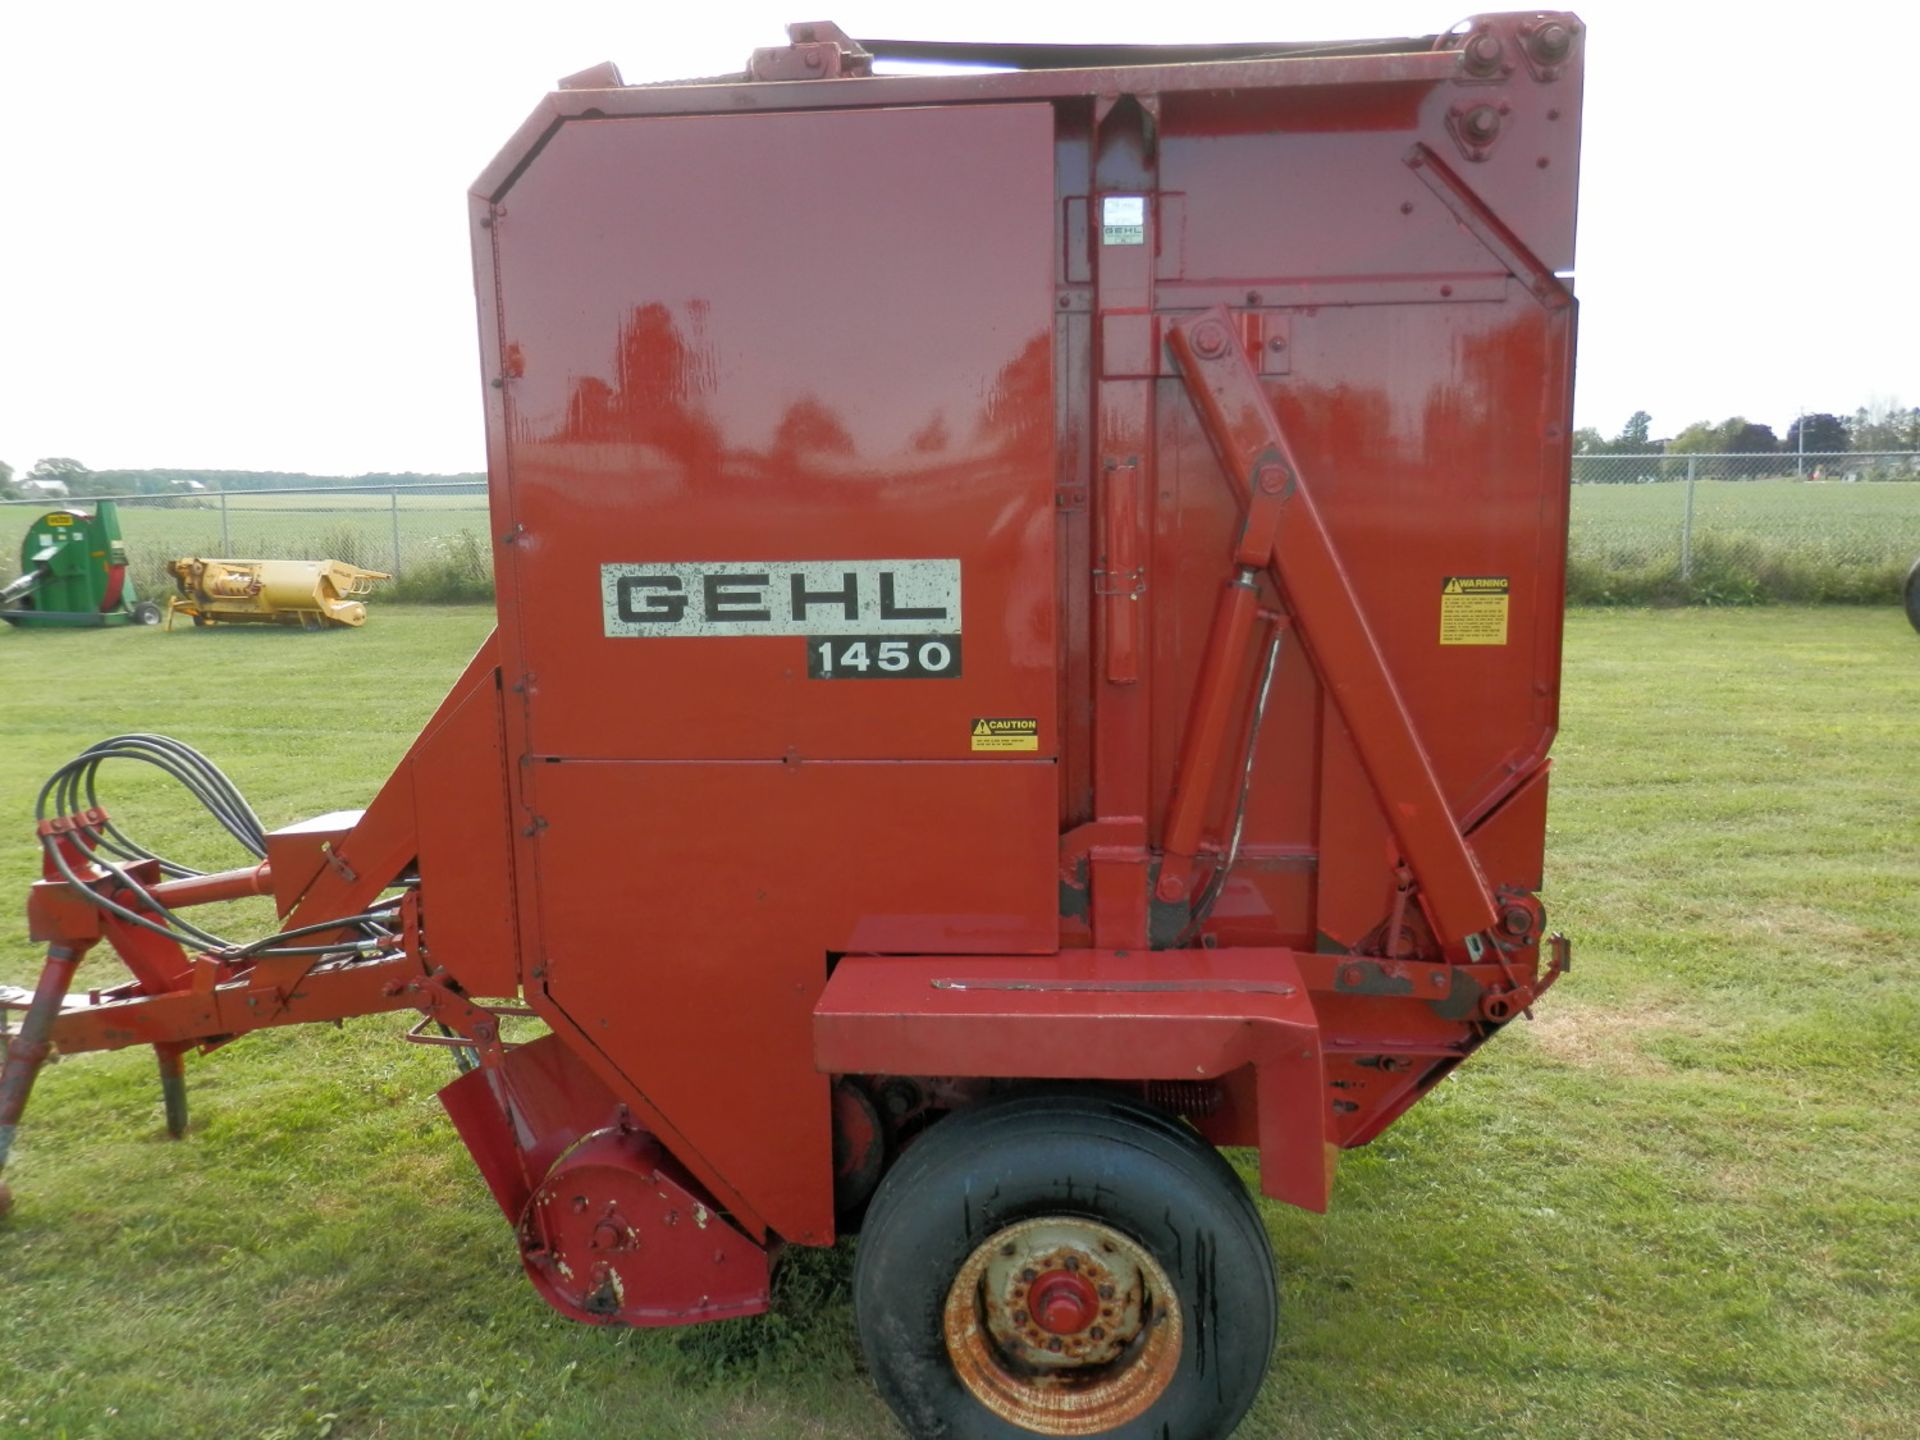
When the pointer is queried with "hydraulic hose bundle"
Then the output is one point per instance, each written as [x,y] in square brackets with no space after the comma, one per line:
[85,849]
[73,792]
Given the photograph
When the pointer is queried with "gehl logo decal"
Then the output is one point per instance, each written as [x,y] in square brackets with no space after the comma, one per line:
[782,597]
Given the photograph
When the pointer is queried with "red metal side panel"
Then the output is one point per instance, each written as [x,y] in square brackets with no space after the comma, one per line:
[689,910]
[755,340]
[760,343]
[1511,842]
[465,832]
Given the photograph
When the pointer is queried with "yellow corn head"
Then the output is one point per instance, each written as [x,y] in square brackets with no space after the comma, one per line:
[307,593]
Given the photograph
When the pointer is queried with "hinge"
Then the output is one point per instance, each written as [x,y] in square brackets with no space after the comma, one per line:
[820,51]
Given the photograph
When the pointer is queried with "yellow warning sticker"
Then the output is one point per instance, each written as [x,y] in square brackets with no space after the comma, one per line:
[1473,610]
[1006,735]
[58,519]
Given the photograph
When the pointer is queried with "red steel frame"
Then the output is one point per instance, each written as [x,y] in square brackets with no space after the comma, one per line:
[1335,371]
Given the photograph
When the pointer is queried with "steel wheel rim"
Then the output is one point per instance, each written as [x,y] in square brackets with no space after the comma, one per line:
[1063,1326]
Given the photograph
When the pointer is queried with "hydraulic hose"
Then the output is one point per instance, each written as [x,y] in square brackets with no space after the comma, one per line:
[73,790]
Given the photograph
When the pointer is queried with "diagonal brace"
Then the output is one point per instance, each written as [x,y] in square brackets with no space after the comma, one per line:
[1283,532]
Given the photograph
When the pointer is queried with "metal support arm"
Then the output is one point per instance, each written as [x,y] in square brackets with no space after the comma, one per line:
[1283,532]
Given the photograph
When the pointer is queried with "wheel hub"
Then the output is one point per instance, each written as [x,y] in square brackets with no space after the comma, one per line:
[1063,1326]
[1063,1303]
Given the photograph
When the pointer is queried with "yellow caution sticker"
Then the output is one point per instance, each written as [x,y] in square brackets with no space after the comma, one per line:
[1473,610]
[1004,734]
[58,519]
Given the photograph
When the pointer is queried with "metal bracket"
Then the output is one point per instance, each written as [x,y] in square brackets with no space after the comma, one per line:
[1480,222]
[1129,583]
[1186,1014]
[337,862]
[819,51]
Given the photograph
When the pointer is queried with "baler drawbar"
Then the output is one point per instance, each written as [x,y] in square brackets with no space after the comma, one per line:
[1028,640]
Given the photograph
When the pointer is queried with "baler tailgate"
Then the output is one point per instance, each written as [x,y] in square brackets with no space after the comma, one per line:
[1283,533]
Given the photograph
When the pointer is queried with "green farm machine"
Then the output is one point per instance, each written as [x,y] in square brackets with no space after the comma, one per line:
[73,571]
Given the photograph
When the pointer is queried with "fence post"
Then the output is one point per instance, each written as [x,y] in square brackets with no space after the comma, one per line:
[1686,524]
[226,539]
[394,496]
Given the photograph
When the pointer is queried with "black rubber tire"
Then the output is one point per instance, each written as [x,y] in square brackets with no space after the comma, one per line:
[146,613]
[1913,595]
[1092,1156]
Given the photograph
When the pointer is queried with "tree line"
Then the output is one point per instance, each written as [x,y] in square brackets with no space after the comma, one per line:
[81,482]
[1881,426]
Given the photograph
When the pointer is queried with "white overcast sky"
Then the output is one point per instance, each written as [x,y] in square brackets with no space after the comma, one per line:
[234,235]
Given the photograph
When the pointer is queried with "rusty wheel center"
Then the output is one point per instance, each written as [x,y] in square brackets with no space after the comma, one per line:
[1063,1326]
[1063,1303]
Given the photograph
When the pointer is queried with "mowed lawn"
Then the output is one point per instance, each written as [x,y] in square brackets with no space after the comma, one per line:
[1684,1202]
[1844,523]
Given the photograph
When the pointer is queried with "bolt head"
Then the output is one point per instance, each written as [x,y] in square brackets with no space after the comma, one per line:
[1482,53]
[1551,43]
[1210,339]
[1481,123]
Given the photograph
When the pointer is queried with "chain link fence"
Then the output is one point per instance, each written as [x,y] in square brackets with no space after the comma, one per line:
[431,537]
[1646,529]
[1734,528]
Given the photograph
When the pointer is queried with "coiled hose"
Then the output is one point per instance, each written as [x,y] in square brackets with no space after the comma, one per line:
[73,791]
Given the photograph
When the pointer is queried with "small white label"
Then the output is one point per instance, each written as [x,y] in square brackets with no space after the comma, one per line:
[1123,220]
[871,598]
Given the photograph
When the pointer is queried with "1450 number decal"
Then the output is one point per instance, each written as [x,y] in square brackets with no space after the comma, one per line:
[884,657]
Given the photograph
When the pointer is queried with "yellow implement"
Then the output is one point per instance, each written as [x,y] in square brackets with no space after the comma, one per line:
[307,593]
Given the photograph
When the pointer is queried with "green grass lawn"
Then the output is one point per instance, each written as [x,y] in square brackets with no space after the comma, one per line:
[1867,519]
[1685,1202]
[1751,540]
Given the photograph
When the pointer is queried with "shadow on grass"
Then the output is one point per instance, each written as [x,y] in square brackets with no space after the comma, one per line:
[810,1326]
